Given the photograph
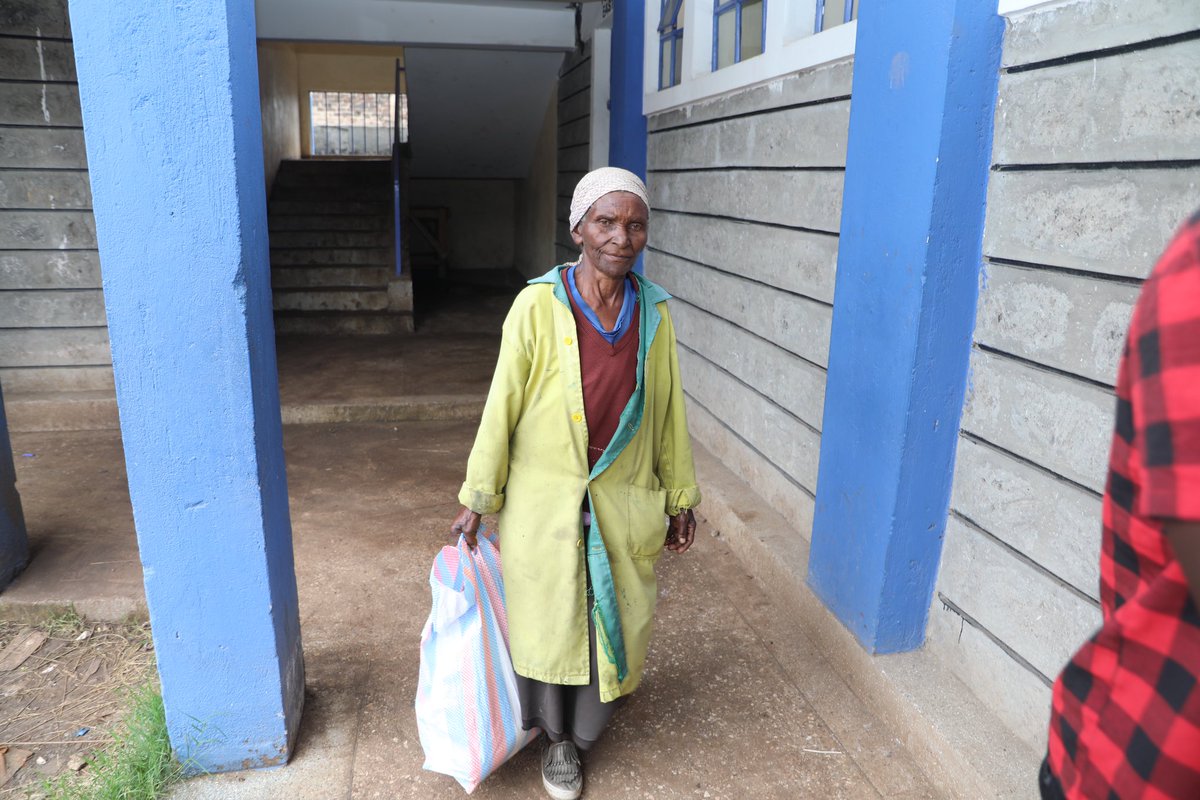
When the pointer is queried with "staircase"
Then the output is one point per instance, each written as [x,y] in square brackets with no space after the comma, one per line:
[332,250]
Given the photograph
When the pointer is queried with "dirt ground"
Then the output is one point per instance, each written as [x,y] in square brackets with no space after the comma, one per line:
[64,685]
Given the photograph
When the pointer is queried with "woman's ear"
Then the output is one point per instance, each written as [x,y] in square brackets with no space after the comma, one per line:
[576,236]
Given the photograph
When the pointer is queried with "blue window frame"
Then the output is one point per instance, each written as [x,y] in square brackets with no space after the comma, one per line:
[670,44]
[831,13]
[739,28]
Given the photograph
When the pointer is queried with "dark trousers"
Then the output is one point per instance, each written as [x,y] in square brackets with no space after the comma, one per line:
[1048,783]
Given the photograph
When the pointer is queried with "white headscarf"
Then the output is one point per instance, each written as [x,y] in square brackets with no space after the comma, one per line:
[600,182]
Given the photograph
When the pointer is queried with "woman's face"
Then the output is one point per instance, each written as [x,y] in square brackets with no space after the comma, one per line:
[612,233]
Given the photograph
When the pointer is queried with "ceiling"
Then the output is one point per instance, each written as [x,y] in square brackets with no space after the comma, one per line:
[476,113]
[480,74]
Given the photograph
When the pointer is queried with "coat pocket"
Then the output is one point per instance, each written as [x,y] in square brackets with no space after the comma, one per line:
[647,521]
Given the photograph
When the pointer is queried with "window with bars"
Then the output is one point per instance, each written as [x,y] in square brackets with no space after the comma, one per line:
[831,13]
[354,123]
[738,30]
[670,47]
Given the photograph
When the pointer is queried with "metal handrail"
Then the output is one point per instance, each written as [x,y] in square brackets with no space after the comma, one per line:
[396,172]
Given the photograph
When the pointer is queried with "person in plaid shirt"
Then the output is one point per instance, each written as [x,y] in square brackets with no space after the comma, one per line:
[1125,721]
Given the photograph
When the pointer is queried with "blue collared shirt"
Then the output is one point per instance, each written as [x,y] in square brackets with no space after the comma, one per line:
[624,319]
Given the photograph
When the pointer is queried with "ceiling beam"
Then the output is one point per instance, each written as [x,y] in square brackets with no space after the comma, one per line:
[419,22]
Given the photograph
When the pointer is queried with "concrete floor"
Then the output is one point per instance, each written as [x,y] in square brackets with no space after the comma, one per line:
[728,707]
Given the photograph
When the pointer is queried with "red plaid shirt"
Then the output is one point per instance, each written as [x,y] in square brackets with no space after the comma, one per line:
[1126,716]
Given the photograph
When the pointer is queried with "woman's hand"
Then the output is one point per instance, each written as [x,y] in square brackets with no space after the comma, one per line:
[681,531]
[466,523]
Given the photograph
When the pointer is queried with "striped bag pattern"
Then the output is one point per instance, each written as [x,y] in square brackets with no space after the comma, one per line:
[468,712]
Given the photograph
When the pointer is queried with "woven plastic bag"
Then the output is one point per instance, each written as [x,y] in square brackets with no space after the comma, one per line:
[468,711]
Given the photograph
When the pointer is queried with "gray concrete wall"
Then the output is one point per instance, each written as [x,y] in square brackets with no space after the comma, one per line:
[534,247]
[574,140]
[746,196]
[1094,165]
[53,334]
[482,218]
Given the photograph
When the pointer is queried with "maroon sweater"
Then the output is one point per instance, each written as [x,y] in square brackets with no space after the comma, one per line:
[609,378]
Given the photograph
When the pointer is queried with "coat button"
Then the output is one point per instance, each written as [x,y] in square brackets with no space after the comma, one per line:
[567,341]
[577,417]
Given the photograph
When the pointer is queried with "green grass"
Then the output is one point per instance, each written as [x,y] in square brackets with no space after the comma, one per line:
[66,622]
[137,766]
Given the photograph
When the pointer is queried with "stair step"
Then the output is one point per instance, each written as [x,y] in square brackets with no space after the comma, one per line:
[330,298]
[329,207]
[329,222]
[338,239]
[311,173]
[333,194]
[301,275]
[332,322]
[302,256]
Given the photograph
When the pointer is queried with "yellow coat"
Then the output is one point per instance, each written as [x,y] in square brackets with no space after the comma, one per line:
[529,463]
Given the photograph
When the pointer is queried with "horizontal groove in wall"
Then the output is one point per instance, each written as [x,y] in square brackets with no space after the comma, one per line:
[1099,166]
[979,440]
[737,168]
[1105,52]
[1062,373]
[52,328]
[36,168]
[58,367]
[719,368]
[61,249]
[39,81]
[573,119]
[755,113]
[703,215]
[52,289]
[19,126]
[71,210]
[752,448]
[982,531]
[566,97]
[573,146]
[1033,266]
[996,640]
[749,332]
[31,38]
[741,277]
[575,66]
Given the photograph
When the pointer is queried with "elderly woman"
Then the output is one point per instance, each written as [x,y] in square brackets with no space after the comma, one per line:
[583,450]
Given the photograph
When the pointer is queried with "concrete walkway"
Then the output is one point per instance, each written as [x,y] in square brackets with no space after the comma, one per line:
[727,708]
[737,701]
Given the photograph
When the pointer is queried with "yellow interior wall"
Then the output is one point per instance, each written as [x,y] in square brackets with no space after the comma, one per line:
[342,68]
[280,106]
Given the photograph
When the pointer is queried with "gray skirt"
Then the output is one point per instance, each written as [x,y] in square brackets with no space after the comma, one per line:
[569,712]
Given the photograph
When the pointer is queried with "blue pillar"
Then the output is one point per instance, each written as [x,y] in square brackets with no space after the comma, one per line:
[925,77]
[174,143]
[626,123]
[14,544]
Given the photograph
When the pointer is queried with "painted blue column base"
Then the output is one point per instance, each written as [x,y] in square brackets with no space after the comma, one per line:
[172,125]
[925,78]
[14,542]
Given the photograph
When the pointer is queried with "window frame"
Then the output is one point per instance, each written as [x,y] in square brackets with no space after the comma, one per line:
[735,7]
[364,99]
[849,13]
[670,34]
